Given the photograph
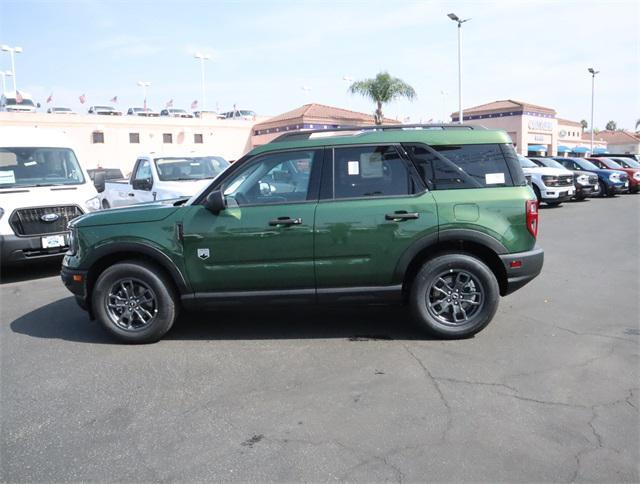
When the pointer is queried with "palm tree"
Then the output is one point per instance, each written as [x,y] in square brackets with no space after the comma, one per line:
[637,123]
[382,89]
[584,124]
[611,126]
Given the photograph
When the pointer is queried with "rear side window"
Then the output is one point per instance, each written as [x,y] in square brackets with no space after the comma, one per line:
[370,171]
[467,166]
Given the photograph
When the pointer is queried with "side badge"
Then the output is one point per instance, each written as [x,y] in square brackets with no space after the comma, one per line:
[203,254]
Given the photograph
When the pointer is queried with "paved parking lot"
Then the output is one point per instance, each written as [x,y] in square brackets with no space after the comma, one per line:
[548,392]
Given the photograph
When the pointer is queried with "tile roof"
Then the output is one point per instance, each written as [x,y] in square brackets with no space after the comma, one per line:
[322,113]
[568,122]
[615,137]
[506,104]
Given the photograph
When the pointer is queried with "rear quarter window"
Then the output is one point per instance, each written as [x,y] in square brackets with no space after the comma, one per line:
[467,166]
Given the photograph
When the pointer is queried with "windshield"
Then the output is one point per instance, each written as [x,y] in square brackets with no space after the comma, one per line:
[22,167]
[627,162]
[105,108]
[192,168]
[548,162]
[586,164]
[526,162]
[613,164]
[11,101]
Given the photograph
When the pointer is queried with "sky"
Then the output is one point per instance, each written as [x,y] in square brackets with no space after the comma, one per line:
[265,52]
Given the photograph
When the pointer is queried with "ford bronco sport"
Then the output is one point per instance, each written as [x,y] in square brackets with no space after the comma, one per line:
[438,217]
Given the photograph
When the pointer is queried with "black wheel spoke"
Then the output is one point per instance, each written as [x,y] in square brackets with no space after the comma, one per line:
[455,297]
[131,304]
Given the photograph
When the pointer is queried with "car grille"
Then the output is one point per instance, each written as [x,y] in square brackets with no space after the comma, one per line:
[624,177]
[565,180]
[28,221]
[593,180]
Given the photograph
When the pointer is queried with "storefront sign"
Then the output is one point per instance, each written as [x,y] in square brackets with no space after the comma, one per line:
[540,125]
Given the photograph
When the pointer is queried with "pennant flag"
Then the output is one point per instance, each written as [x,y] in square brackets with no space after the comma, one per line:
[82,98]
[169,104]
[50,98]
[114,99]
[19,97]
[194,104]
[145,105]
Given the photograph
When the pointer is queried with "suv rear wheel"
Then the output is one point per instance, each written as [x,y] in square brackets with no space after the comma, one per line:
[454,295]
[134,302]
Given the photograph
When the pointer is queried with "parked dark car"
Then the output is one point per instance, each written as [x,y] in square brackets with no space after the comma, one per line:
[585,182]
[610,181]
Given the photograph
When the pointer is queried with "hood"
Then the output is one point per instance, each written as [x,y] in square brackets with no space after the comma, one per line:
[18,107]
[544,170]
[184,188]
[604,172]
[27,197]
[143,212]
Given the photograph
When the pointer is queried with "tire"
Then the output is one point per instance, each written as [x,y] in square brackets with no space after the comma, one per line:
[603,189]
[105,204]
[536,190]
[133,282]
[554,204]
[429,296]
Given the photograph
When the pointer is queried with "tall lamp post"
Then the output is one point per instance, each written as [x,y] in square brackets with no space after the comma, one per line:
[12,51]
[593,73]
[459,21]
[144,85]
[202,57]
[4,75]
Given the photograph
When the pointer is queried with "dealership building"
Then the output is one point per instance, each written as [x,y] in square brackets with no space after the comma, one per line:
[534,130]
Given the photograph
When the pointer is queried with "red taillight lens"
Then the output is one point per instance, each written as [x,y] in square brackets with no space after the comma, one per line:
[531,207]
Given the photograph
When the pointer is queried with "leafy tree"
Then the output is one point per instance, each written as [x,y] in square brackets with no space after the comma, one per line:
[383,89]
[584,124]
[611,126]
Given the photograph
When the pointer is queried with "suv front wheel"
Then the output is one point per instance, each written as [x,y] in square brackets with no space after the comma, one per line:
[454,295]
[134,302]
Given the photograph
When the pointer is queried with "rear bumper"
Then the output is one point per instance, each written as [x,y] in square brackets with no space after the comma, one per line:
[15,250]
[521,268]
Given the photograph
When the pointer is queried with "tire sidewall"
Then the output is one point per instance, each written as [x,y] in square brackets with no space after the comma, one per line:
[430,271]
[166,301]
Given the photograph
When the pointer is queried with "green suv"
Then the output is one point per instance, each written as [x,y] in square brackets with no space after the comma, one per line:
[437,217]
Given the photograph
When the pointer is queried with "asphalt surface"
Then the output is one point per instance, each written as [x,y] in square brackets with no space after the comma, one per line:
[547,392]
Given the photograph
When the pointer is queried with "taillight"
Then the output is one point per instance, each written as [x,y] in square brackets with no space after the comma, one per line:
[531,206]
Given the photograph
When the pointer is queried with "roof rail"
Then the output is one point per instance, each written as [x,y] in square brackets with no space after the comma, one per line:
[306,133]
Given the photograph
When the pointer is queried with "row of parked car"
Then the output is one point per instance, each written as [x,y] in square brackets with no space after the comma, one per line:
[150,113]
[559,179]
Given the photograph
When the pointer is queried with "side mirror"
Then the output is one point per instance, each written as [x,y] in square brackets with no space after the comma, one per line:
[215,202]
[142,184]
[99,181]
[38,105]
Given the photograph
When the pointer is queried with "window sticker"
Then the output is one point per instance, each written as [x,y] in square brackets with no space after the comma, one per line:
[7,176]
[371,164]
[353,167]
[30,163]
[494,178]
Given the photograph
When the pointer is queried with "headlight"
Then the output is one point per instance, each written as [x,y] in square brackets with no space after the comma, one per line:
[636,176]
[93,204]
[583,179]
[614,177]
[550,180]
[1,212]
[73,241]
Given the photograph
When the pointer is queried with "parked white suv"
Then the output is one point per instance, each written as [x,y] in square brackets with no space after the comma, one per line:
[551,185]
[157,177]
[42,188]
[9,103]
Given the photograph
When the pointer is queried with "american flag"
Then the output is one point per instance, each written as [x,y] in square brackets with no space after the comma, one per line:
[114,99]
[82,98]
[194,104]
[19,97]
[50,98]
[169,103]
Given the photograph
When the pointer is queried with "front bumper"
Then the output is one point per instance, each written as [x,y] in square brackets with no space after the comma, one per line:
[585,190]
[15,250]
[521,268]
[76,282]
[558,194]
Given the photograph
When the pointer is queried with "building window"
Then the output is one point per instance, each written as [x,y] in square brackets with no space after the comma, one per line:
[197,138]
[134,138]
[167,138]
[97,137]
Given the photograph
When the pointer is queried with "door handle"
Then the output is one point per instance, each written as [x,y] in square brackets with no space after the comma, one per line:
[132,194]
[286,221]
[401,215]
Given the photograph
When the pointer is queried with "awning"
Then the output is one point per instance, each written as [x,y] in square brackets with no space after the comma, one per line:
[600,151]
[579,149]
[537,148]
[563,149]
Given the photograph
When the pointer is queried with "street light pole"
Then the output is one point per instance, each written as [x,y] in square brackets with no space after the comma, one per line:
[12,51]
[202,57]
[459,21]
[4,75]
[144,85]
[593,73]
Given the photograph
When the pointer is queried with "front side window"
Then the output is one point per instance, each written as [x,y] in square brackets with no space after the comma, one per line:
[370,171]
[21,167]
[144,171]
[274,178]
[467,166]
